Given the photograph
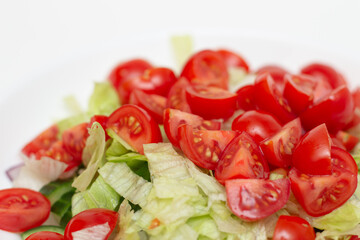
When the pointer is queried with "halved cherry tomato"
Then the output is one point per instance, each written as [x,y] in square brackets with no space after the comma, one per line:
[258,124]
[74,140]
[254,199]
[269,98]
[135,126]
[245,98]
[174,118]
[278,149]
[92,218]
[153,81]
[293,228]
[177,96]
[203,147]
[152,103]
[233,59]
[337,143]
[242,158]
[354,238]
[211,102]
[312,155]
[128,70]
[102,120]
[206,68]
[355,121]
[45,235]
[22,209]
[276,72]
[42,142]
[348,140]
[325,72]
[336,110]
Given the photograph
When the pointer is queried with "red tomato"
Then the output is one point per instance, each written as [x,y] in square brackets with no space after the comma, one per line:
[258,124]
[313,153]
[211,102]
[348,140]
[128,70]
[206,68]
[45,235]
[177,96]
[276,72]
[269,98]
[102,120]
[153,81]
[134,125]
[42,142]
[336,110]
[245,98]
[152,103]
[22,209]
[203,147]
[293,228]
[174,118]
[325,72]
[233,59]
[354,238]
[242,158]
[91,218]
[254,199]
[278,149]
[74,140]
[337,143]
[356,116]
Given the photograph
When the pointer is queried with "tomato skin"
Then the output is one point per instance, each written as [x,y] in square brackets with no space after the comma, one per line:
[89,218]
[177,96]
[245,98]
[354,238]
[42,142]
[356,116]
[45,235]
[127,70]
[255,199]
[207,68]
[233,59]
[174,118]
[276,72]
[258,124]
[203,147]
[293,228]
[102,120]
[74,140]
[22,209]
[135,126]
[211,102]
[152,103]
[279,148]
[348,140]
[241,158]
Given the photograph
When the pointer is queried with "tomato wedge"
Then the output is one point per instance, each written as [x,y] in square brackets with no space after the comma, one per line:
[241,158]
[245,98]
[355,121]
[278,149]
[203,147]
[348,140]
[206,68]
[42,142]
[45,235]
[174,118]
[276,72]
[255,199]
[22,209]
[211,102]
[102,120]
[177,96]
[74,140]
[134,125]
[293,228]
[233,59]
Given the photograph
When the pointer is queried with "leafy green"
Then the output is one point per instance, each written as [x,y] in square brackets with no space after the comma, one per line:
[72,121]
[182,47]
[104,99]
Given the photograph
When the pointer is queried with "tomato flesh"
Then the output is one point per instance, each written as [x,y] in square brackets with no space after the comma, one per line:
[74,140]
[245,98]
[45,235]
[233,59]
[276,72]
[348,140]
[102,120]
[42,142]
[293,228]
[177,96]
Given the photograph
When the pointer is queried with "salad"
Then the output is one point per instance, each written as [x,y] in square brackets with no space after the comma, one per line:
[219,151]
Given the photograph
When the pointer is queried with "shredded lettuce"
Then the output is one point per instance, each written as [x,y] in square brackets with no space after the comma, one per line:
[238,78]
[104,99]
[73,105]
[183,48]
[72,121]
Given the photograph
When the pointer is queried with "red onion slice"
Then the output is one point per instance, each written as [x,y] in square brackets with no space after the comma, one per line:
[14,171]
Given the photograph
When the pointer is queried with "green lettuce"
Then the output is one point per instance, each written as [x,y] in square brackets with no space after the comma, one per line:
[104,99]
[182,47]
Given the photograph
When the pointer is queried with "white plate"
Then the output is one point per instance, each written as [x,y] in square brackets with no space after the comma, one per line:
[35,106]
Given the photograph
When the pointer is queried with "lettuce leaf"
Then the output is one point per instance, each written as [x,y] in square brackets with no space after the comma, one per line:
[104,99]
[182,47]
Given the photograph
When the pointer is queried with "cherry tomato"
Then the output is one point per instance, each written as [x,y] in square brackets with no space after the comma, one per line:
[134,125]
[312,155]
[233,59]
[153,81]
[206,68]
[337,143]
[293,228]
[336,111]
[91,218]
[276,72]
[354,238]
[349,141]
[278,149]
[203,147]
[174,118]
[74,140]
[325,72]
[152,103]
[269,98]
[22,209]
[241,158]
[355,121]
[254,199]
[45,235]
[42,142]
[211,102]
[258,124]
[128,70]
[102,120]
[245,98]
[177,96]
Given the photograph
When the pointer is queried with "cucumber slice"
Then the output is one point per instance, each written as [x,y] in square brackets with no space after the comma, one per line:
[55,190]
[56,229]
